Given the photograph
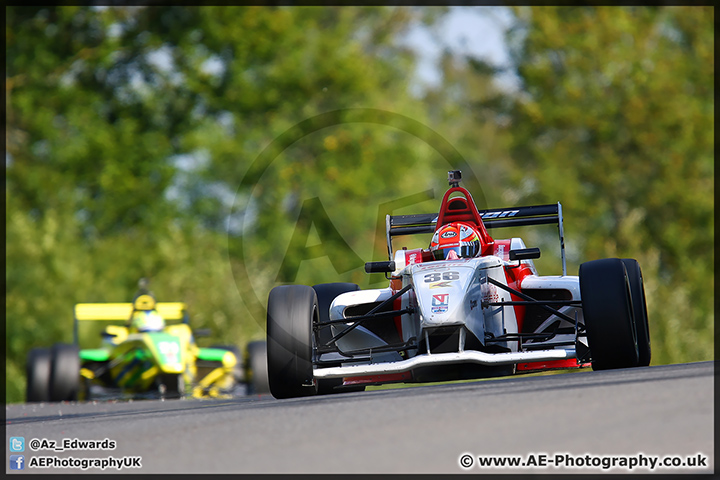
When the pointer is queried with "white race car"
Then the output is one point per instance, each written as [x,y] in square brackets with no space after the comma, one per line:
[470,306]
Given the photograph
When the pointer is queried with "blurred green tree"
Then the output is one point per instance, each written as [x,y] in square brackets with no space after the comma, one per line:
[615,117]
[130,131]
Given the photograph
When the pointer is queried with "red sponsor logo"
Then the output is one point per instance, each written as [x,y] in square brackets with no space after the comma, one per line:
[440,299]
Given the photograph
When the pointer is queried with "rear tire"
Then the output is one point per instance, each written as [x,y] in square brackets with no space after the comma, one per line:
[257,368]
[291,312]
[608,313]
[64,372]
[38,375]
[642,328]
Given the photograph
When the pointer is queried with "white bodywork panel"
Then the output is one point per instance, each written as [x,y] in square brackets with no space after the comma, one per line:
[446,293]
[360,337]
[565,282]
[451,293]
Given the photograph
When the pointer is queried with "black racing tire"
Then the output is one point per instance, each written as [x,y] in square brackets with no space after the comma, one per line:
[609,314]
[64,372]
[326,293]
[257,368]
[291,312]
[38,375]
[642,327]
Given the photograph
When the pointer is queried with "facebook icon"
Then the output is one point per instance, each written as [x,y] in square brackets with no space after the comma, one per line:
[17,462]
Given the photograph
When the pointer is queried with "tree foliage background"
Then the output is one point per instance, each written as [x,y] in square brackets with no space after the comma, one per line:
[220,151]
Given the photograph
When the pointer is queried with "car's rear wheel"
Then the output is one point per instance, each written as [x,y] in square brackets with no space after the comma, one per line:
[257,367]
[291,311]
[64,372]
[38,375]
[609,314]
[326,293]
[642,328]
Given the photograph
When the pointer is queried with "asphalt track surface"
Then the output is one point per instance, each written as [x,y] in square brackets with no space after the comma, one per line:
[656,411]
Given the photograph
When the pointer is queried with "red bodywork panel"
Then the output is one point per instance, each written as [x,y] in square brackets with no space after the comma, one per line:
[371,379]
[514,276]
[555,364]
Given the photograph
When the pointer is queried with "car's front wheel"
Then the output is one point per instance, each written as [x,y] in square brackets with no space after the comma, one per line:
[291,312]
[257,367]
[38,375]
[609,314]
[642,328]
[64,372]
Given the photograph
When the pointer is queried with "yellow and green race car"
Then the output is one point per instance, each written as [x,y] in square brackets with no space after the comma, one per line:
[132,363]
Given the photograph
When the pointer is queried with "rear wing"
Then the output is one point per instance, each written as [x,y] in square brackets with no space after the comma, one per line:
[492,218]
[170,311]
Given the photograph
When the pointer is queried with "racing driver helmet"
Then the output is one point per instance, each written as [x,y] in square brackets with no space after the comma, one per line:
[146,321]
[458,237]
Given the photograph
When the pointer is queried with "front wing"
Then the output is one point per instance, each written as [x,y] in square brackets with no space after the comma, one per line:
[468,356]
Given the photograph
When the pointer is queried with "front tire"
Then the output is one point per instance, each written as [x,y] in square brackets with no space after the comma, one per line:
[291,312]
[609,314]
[642,328]
[257,368]
[38,375]
[64,372]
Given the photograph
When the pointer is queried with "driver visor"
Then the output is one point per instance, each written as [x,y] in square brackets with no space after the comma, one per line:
[464,251]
